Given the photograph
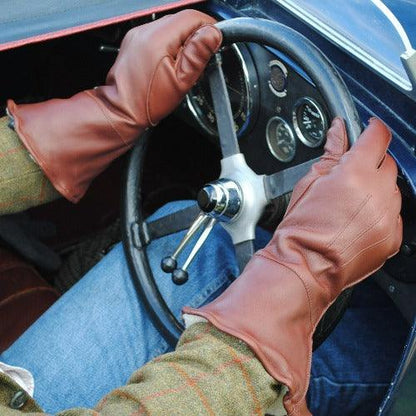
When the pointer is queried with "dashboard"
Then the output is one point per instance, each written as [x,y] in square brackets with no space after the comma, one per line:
[280,118]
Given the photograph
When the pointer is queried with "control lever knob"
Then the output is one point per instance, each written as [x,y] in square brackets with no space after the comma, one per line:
[179,276]
[206,198]
[168,264]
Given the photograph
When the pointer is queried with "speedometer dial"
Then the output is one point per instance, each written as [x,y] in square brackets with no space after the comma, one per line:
[280,139]
[310,122]
[240,80]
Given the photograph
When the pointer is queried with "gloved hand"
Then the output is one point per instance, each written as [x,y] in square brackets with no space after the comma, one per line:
[74,139]
[341,225]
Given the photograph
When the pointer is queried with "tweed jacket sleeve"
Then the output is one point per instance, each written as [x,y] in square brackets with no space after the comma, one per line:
[209,373]
[22,182]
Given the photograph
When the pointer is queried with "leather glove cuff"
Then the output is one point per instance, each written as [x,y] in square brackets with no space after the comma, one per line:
[341,225]
[73,140]
[88,140]
[283,341]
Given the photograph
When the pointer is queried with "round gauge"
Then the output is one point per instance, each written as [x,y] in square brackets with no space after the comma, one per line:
[278,78]
[241,84]
[280,139]
[310,122]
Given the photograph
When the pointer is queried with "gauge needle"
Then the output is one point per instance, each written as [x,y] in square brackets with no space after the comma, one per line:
[233,89]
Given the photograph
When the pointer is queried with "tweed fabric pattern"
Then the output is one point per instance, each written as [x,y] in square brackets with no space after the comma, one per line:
[22,182]
[209,373]
[8,390]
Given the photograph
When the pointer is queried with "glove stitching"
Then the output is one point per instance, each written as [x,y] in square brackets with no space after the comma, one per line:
[325,162]
[349,221]
[308,294]
[104,111]
[188,39]
[382,240]
[372,225]
[149,88]
[294,408]
[317,279]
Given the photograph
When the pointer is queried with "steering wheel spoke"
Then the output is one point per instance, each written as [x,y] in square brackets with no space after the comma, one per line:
[171,223]
[243,252]
[284,181]
[222,107]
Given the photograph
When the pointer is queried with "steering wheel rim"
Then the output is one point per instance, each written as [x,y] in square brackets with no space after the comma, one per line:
[134,230]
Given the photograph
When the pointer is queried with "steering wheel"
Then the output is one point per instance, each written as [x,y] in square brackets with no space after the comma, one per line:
[238,198]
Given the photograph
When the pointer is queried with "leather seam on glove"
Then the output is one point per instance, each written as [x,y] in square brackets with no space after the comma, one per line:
[382,240]
[149,89]
[308,293]
[103,110]
[345,224]
[349,221]
[363,232]
[24,137]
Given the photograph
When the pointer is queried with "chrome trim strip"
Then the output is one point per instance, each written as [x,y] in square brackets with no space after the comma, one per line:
[345,44]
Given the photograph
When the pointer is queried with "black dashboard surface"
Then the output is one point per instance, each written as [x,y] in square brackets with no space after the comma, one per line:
[281,102]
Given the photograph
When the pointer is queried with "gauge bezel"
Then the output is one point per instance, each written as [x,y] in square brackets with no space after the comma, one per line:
[280,65]
[295,120]
[251,87]
[269,140]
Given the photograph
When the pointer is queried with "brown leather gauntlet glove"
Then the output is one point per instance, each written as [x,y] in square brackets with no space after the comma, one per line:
[75,139]
[341,225]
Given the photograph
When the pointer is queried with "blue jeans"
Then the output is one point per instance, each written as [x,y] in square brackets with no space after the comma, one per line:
[97,334]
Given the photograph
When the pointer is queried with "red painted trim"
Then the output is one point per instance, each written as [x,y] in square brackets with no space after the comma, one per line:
[94,25]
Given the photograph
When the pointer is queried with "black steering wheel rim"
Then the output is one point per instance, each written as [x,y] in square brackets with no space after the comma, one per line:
[135,237]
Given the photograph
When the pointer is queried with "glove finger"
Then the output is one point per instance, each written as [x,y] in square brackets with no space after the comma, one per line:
[399,234]
[196,53]
[173,31]
[336,145]
[388,169]
[395,204]
[371,147]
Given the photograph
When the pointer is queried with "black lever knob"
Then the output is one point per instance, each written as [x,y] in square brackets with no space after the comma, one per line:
[179,276]
[168,264]
[206,199]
